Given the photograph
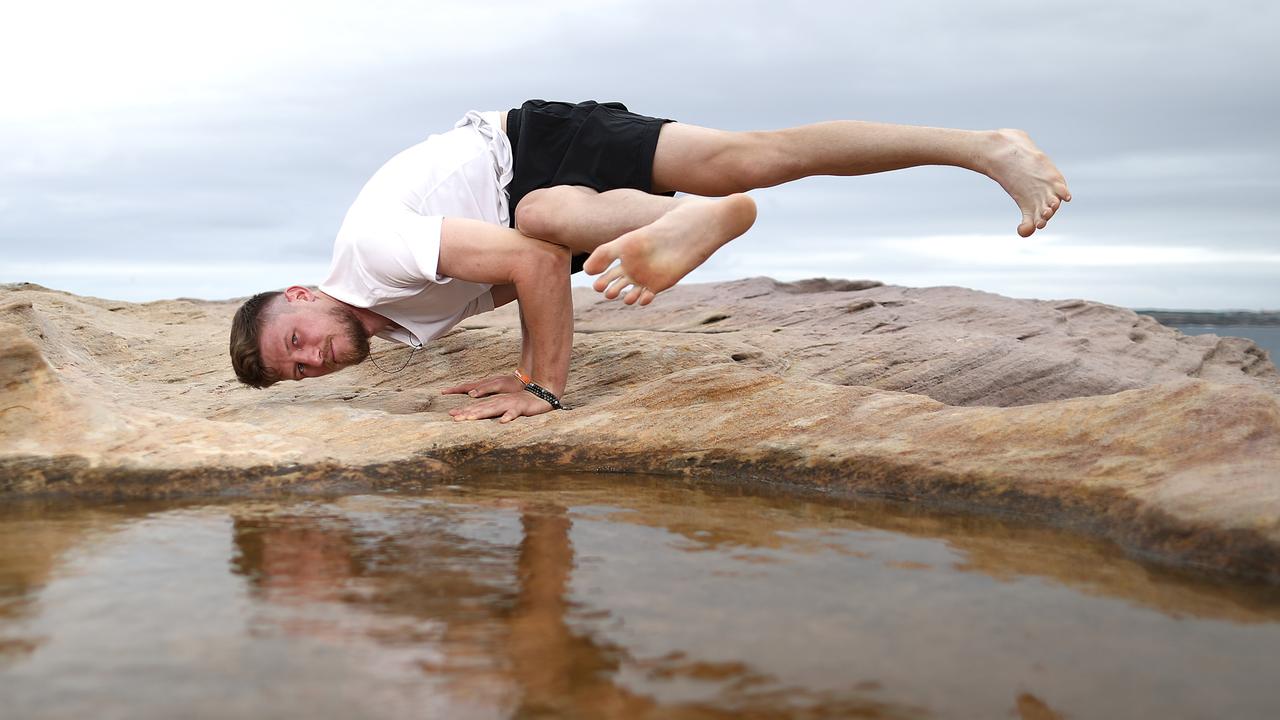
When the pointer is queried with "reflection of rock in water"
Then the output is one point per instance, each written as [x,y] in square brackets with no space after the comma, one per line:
[534,596]
[34,538]
[1067,411]
[492,635]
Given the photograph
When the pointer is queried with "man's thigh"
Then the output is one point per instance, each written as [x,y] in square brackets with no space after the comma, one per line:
[705,161]
[686,156]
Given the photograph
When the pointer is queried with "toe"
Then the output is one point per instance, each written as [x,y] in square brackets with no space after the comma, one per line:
[647,296]
[1027,226]
[635,294]
[604,280]
[616,288]
[601,258]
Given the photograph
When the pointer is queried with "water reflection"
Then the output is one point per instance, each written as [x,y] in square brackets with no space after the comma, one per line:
[34,537]
[510,642]
[606,597]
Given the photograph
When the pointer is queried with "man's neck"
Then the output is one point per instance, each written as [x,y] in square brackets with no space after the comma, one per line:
[372,322]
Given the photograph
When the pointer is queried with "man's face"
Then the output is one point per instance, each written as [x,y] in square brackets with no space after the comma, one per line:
[312,337]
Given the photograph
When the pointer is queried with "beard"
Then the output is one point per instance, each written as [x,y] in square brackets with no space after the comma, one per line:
[353,331]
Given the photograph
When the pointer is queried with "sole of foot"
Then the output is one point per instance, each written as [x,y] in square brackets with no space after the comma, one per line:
[655,257]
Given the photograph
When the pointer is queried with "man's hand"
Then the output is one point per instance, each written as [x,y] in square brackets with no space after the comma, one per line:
[488,386]
[506,407]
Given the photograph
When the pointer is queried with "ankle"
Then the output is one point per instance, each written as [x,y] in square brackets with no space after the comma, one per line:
[985,148]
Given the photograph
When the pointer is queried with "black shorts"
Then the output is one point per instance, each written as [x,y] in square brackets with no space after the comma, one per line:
[597,145]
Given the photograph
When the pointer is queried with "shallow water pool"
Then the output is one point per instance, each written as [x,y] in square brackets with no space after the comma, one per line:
[605,596]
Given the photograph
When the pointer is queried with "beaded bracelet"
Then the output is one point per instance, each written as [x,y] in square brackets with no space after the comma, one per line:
[545,394]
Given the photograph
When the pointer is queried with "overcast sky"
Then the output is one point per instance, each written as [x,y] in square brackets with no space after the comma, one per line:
[163,149]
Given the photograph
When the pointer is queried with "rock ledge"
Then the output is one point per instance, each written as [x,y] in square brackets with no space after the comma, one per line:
[1075,413]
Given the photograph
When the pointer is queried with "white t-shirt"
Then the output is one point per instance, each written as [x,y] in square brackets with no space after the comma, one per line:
[386,252]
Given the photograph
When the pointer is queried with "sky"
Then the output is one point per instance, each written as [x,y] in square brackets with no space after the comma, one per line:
[159,149]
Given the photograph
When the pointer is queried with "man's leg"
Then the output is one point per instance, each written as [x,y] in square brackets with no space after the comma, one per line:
[582,219]
[705,161]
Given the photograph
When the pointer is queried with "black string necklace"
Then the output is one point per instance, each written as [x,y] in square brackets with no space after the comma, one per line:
[402,365]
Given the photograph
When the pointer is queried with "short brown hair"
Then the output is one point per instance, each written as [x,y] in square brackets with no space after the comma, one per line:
[246,352]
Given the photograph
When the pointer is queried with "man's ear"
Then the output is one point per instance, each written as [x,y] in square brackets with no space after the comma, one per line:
[294,293]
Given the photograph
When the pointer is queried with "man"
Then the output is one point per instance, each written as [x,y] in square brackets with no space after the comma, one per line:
[506,205]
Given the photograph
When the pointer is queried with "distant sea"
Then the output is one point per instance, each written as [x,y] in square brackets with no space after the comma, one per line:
[1266,336]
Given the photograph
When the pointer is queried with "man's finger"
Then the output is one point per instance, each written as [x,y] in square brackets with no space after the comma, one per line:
[481,410]
[509,415]
[487,388]
[475,414]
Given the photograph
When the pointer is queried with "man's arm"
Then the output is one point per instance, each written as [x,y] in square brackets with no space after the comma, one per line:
[480,252]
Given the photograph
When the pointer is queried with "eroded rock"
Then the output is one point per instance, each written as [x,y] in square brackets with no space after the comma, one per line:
[1072,412]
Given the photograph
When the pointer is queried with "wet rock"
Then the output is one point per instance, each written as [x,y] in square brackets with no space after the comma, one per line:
[1072,412]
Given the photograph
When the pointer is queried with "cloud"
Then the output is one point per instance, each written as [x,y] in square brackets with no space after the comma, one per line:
[130,134]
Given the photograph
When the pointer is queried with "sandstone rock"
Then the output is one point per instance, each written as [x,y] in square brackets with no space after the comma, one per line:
[1072,412]
[958,346]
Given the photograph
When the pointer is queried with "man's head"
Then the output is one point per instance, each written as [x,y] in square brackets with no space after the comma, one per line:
[294,334]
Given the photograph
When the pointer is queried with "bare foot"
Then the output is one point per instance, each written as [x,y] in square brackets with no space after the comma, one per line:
[1028,175]
[656,256]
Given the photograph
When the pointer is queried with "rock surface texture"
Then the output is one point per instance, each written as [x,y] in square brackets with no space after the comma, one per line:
[1075,413]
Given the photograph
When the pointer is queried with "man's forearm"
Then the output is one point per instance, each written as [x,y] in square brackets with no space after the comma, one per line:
[546,324]
[526,344]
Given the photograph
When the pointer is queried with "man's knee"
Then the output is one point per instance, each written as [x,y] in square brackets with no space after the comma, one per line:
[540,213]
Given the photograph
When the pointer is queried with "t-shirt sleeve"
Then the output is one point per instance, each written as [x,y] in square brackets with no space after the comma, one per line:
[402,253]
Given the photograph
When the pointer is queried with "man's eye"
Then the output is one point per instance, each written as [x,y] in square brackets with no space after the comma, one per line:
[299,366]
[295,338]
